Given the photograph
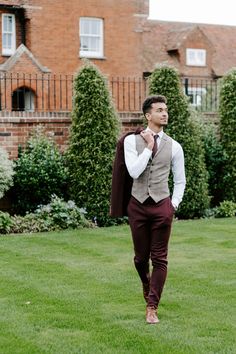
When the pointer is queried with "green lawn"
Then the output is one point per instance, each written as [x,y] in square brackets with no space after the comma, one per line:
[78,292]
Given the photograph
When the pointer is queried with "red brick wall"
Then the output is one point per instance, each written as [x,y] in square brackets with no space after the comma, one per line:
[53,33]
[16,130]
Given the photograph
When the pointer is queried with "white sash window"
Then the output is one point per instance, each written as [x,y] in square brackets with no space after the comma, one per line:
[8,34]
[91,37]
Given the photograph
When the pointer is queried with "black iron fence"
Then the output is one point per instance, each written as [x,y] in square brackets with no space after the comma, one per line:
[53,93]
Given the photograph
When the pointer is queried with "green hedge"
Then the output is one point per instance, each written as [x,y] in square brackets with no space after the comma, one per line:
[92,143]
[183,128]
[227,112]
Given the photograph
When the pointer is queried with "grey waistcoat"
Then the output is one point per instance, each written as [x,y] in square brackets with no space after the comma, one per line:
[153,181]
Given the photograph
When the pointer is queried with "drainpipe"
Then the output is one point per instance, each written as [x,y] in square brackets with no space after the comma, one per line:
[186,86]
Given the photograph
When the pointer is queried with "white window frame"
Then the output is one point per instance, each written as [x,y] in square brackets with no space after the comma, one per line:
[12,49]
[195,57]
[99,53]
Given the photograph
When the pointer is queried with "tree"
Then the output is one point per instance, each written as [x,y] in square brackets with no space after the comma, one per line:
[227,112]
[94,133]
[183,128]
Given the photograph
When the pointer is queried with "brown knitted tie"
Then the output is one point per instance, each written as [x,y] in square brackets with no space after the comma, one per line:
[154,150]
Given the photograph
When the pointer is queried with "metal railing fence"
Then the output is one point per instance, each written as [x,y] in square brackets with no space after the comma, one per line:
[54,93]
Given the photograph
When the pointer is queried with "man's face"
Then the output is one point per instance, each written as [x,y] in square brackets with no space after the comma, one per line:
[158,115]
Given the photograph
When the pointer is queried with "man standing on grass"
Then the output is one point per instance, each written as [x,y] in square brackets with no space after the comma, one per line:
[149,157]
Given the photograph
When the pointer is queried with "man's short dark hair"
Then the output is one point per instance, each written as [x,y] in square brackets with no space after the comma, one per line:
[147,104]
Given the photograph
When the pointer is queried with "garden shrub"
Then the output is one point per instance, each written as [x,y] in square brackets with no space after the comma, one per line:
[92,144]
[29,223]
[39,172]
[5,222]
[6,172]
[227,208]
[183,128]
[56,215]
[215,161]
[63,215]
[227,112]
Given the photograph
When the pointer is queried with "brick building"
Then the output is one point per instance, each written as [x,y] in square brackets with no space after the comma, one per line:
[200,50]
[59,34]
[43,44]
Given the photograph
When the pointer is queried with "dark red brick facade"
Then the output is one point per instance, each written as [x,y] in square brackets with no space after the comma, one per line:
[48,41]
[52,33]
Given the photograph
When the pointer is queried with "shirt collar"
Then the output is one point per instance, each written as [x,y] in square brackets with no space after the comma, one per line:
[160,134]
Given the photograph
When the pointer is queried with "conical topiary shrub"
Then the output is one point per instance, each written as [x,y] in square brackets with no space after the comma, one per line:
[227,112]
[93,138]
[165,81]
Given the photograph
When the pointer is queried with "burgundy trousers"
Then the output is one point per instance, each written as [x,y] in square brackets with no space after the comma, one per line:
[150,225]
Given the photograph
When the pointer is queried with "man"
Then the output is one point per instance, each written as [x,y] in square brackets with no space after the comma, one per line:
[149,157]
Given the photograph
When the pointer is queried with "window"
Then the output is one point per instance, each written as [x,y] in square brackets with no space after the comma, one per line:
[196,95]
[91,37]
[23,99]
[196,57]
[8,34]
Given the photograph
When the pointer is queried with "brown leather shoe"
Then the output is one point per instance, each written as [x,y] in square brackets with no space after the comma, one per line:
[146,288]
[151,315]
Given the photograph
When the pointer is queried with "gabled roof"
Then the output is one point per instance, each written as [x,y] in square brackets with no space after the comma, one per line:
[163,37]
[223,39]
[176,38]
[12,61]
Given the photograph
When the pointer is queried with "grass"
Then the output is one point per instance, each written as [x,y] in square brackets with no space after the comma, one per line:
[78,292]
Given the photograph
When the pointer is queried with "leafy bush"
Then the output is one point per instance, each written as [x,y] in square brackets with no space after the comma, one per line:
[215,161]
[28,223]
[62,215]
[93,138]
[56,215]
[6,172]
[186,130]
[209,213]
[227,112]
[5,222]
[226,208]
[39,172]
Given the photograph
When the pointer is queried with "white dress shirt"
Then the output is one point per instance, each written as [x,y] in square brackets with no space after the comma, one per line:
[136,164]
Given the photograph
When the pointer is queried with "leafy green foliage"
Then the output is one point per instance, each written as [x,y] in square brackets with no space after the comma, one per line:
[5,222]
[39,172]
[227,112]
[215,160]
[227,208]
[6,172]
[183,128]
[57,215]
[93,138]
[62,215]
